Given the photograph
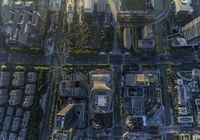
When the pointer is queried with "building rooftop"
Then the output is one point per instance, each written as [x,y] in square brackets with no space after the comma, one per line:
[65,110]
[25,119]
[130,5]
[185,119]
[18,79]
[30,89]
[28,101]
[191,31]
[62,134]
[3,96]
[4,78]
[183,6]
[15,97]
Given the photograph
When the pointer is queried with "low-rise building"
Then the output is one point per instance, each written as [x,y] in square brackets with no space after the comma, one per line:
[3,96]
[55,5]
[182,92]
[196,137]
[18,79]
[2,113]
[185,120]
[7,123]
[15,97]
[30,89]
[12,136]
[184,136]
[73,85]
[4,135]
[10,111]
[197,103]
[22,134]
[32,77]
[15,124]
[18,112]
[4,79]
[25,119]
[28,101]
[127,38]
[89,6]
[62,134]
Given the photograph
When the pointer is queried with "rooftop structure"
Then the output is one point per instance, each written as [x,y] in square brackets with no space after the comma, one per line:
[21,23]
[4,78]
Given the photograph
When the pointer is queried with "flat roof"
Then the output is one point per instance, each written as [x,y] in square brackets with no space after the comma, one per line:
[65,110]
[186,119]
[129,5]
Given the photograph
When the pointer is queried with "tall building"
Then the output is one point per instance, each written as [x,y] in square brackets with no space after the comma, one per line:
[191,31]
[101,100]
[65,117]
[135,12]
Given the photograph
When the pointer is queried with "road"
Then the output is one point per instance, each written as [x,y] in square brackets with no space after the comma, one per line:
[165,94]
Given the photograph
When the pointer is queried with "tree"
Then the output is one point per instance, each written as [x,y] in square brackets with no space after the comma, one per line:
[20,68]
[4,68]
